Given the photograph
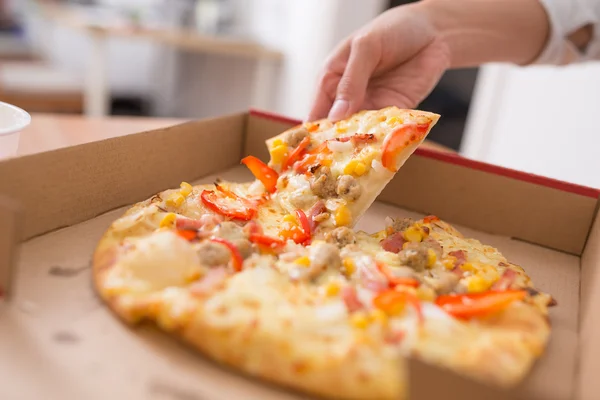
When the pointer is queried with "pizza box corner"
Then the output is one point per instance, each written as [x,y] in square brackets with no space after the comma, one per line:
[54,206]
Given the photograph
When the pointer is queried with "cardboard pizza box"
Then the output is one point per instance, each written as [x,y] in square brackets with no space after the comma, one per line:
[58,341]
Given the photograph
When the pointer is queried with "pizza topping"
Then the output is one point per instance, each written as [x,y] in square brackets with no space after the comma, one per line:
[213,254]
[227,206]
[400,139]
[343,216]
[321,256]
[293,137]
[297,153]
[323,183]
[443,282]
[393,302]
[348,188]
[415,257]
[262,172]
[506,280]
[341,236]
[479,304]
[340,146]
[236,257]
[351,299]
[394,280]
[393,243]
[393,225]
[317,213]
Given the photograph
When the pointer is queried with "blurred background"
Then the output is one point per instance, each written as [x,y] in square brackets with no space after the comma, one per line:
[186,59]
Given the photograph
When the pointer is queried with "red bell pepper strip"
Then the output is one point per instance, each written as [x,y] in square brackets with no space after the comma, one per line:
[305,224]
[261,171]
[396,280]
[296,154]
[398,140]
[266,241]
[430,218]
[187,234]
[389,299]
[217,204]
[478,304]
[236,258]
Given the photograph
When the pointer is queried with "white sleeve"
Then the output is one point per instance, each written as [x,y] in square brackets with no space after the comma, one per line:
[566,16]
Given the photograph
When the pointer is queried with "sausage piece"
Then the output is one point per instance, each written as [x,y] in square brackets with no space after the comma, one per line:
[416,257]
[398,224]
[213,254]
[341,236]
[294,137]
[348,188]
[323,183]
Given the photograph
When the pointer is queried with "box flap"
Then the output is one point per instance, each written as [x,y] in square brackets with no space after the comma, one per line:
[589,363]
[10,214]
[66,186]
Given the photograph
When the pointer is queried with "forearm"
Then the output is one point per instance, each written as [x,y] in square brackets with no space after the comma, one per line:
[480,31]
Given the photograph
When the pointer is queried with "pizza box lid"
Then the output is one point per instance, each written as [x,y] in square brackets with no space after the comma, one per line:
[55,205]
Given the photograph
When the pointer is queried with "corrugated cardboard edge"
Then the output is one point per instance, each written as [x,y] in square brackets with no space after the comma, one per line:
[588,386]
[10,215]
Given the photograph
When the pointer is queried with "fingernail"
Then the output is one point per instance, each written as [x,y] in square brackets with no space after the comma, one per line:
[339,110]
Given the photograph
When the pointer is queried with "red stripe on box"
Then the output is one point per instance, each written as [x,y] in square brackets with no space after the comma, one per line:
[509,173]
[274,117]
[465,162]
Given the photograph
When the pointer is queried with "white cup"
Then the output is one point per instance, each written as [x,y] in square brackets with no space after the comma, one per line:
[12,121]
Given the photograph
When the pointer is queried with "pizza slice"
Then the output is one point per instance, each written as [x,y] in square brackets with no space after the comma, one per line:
[333,172]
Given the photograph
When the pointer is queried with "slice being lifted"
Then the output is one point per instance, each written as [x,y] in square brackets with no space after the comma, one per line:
[334,171]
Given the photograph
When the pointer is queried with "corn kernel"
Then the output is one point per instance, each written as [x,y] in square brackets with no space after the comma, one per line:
[332,289]
[290,218]
[360,169]
[449,262]
[349,266]
[304,261]
[175,200]
[349,168]
[468,267]
[425,293]
[193,276]
[326,162]
[186,189]
[277,142]
[359,320]
[379,316]
[342,216]
[431,257]
[413,234]
[341,127]
[278,153]
[168,221]
[476,283]
[394,120]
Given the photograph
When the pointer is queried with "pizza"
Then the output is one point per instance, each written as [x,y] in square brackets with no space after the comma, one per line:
[270,277]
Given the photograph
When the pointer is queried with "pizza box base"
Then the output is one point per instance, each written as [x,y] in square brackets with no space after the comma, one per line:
[58,340]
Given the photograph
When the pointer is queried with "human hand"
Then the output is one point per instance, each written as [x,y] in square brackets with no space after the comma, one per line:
[396,59]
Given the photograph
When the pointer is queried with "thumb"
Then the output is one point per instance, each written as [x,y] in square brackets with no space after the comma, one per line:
[352,87]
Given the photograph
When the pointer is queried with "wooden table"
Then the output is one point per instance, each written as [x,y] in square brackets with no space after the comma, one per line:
[51,131]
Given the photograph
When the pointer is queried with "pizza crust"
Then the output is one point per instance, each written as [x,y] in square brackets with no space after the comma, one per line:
[261,323]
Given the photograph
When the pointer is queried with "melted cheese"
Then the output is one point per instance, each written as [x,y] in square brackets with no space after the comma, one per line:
[160,260]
